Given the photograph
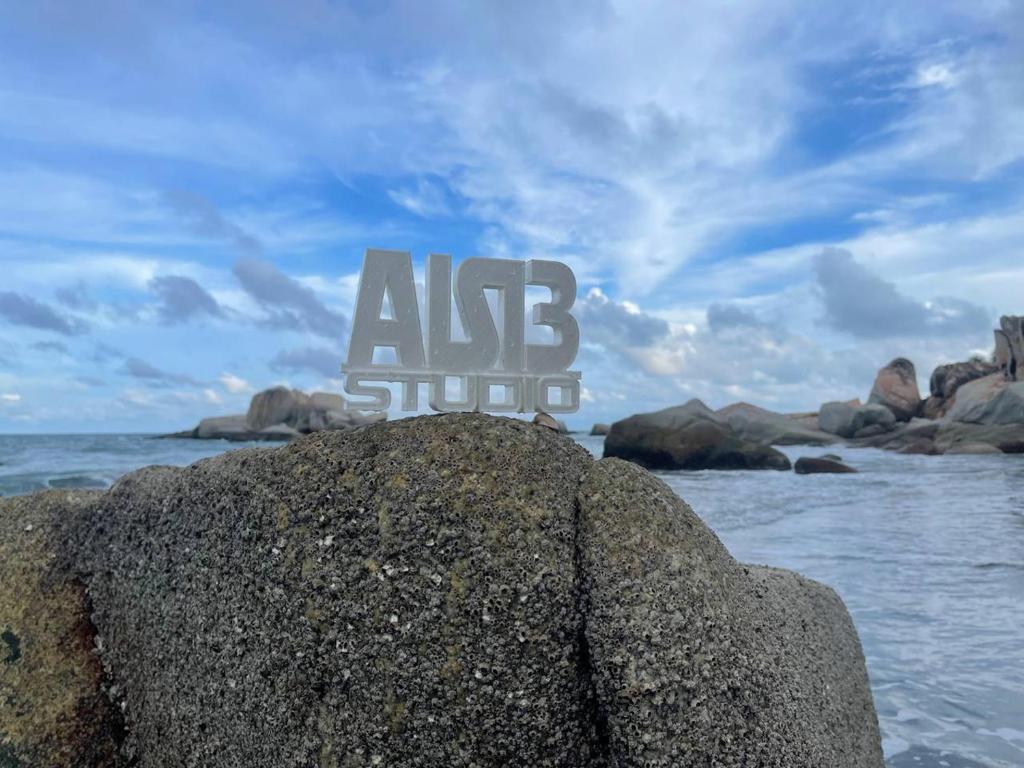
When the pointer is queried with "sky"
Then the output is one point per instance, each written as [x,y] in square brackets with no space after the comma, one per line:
[761,201]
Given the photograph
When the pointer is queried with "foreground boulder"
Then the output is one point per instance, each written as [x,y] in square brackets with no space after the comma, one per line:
[458,590]
[895,387]
[698,660]
[54,707]
[689,436]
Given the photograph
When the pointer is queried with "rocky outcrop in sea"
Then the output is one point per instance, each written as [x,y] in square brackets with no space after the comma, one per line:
[973,407]
[454,590]
[280,413]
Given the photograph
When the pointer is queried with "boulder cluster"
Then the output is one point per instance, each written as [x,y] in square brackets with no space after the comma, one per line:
[972,407]
[452,591]
[280,413]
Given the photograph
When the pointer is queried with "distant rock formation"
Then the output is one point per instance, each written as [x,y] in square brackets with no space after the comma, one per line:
[280,413]
[895,387]
[600,429]
[947,379]
[457,590]
[848,421]
[689,436]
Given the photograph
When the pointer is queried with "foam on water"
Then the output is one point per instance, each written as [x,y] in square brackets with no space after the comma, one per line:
[926,551]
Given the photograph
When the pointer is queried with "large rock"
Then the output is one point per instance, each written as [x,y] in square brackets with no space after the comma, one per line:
[837,418]
[947,379]
[687,437]
[758,425]
[847,421]
[895,387]
[1008,438]
[280,413]
[698,660]
[54,709]
[278,405]
[599,429]
[457,590]
[989,400]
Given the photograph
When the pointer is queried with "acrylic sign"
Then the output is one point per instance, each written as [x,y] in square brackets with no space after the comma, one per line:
[495,366]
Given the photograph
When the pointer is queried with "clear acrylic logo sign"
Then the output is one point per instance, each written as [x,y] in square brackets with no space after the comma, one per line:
[495,367]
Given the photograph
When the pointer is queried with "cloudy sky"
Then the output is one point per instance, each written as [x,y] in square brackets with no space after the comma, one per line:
[762,201]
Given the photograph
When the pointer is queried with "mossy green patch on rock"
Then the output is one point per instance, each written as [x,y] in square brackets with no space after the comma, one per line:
[53,710]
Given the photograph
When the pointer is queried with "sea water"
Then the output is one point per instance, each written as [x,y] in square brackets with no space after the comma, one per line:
[926,551]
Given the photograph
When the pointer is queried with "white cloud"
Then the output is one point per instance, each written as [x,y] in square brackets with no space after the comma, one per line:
[10,398]
[234,384]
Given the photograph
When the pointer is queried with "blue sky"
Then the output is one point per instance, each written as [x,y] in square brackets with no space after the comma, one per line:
[761,201]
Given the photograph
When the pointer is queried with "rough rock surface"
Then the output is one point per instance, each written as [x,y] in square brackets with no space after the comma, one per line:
[404,595]
[456,590]
[687,437]
[54,711]
[895,387]
[759,425]
[989,400]
[808,465]
[701,661]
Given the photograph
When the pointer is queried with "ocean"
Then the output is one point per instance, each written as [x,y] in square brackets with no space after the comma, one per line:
[926,551]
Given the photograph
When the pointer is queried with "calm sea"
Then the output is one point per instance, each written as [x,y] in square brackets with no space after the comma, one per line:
[927,552]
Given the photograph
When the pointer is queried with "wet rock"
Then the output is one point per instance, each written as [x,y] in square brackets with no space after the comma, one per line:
[54,709]
[687,437]
[699,660]
[807,465]
[895,387]
[832,457]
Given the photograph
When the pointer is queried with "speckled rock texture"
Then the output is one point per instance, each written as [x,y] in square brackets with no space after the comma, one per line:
[699,660]
[404,595]
[450,591]
[54,709]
